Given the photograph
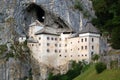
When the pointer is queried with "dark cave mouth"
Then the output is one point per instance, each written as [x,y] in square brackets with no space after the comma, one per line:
[40,13]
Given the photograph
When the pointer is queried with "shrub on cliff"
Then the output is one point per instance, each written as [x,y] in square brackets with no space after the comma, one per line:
[100,67]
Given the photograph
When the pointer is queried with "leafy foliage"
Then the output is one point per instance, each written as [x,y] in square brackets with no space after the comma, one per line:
[3,48]
[76,69]
[100,67]
[95,57]
[108,16]
[116,38]
[78,5]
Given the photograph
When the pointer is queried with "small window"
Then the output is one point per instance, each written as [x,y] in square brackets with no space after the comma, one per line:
[65,45]
[92,39]
[65,56]
[92,53]
[78,55]
[78,41]
[52,38]
[82,54]
[59,51]
[82,47]
[39,44]
[39,38]
[60,39]
[48,50]
[59,45]
[48,44]
[92,47]
[56,39]
[65,50]
[85,47]
[71,49]
[55,51]
[48,38]
[86,55]
[71,55]
[85,39]
[56,45]
[71,42]
[81,40]
[78,48]
[60,55]
[32,44]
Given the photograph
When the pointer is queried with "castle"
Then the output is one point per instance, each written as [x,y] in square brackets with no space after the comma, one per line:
[57,49]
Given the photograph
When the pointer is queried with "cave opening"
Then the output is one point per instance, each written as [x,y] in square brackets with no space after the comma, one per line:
[40,13]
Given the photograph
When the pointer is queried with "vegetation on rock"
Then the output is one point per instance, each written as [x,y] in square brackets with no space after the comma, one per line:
[3,49]
[95,57]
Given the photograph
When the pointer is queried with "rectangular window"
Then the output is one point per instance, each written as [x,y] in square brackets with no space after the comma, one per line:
[48,50]
[48,44]
[81,47]
[59,45]
[85,47]
[65,50]
[56,45]
[65,45]
[60,39]
[56,39]
[92,47]
[92,39]
[48,38]
[85,39]
[59,51]
[55,51]
[39,38]
[52,38]
[81,40]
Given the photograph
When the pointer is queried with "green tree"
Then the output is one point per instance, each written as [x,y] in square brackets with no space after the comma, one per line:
[100,67]
[95,57]
[115,38]
[74,71]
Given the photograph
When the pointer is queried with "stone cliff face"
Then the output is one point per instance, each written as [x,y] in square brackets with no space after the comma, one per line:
[59,14]
[56,15]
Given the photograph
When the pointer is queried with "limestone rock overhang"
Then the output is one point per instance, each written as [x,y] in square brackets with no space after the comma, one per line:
[50,19]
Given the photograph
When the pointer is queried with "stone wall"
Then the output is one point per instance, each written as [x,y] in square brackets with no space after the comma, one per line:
[111,59]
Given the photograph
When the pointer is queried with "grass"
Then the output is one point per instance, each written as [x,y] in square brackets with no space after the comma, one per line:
[90,74]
